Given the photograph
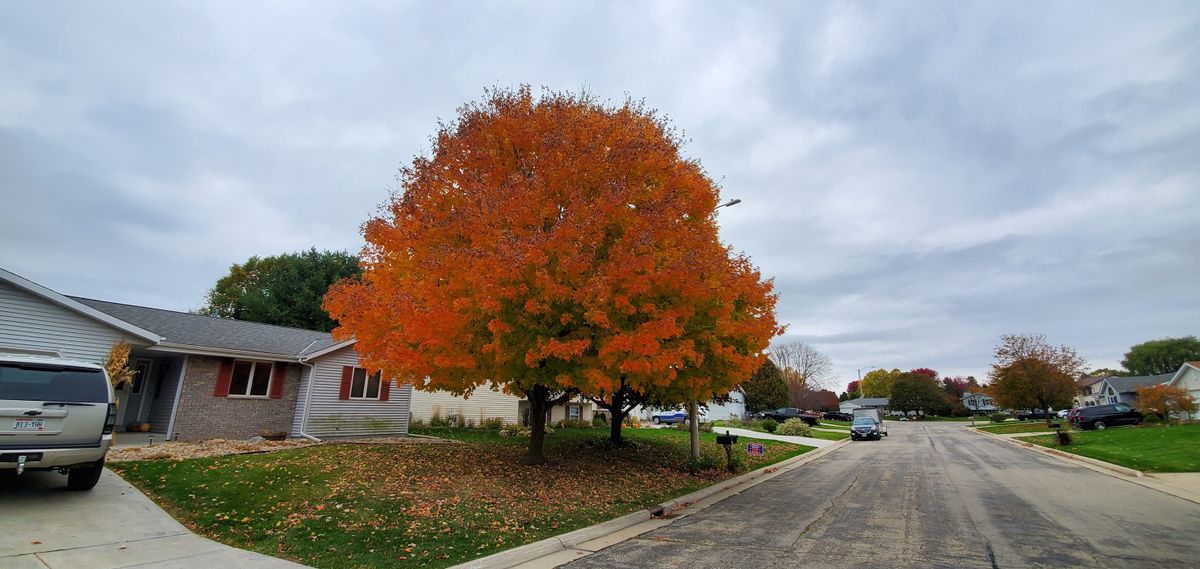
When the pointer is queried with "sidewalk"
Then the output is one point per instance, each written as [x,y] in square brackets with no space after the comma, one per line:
[45,526]
[745,433]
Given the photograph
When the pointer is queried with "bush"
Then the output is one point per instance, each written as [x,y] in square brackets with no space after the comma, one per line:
[768,425]
[600,420]
[438,422]
[492,423]
[795,428]
[573,424]
[416,423]
[1152,419]
[998,417]
[685,426]
[514,431]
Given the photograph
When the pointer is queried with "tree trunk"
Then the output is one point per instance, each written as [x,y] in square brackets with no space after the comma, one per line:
[538,400]
[695,418]
[617,412]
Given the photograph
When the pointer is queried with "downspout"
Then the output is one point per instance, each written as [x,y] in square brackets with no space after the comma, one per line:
[312,378]
[178,393]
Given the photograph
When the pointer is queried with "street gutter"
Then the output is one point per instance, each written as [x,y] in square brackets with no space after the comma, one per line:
[555,551]
[1115,470]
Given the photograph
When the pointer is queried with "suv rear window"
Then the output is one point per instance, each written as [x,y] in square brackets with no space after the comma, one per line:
[33,382]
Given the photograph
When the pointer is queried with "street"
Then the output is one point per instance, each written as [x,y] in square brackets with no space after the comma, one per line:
[930,495]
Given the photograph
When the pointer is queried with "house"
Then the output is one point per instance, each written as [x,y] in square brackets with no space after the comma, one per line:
[979,402]
[1188,377]
[849,406]
[1124,389]
[1089,391]
[491,401]
[200,377]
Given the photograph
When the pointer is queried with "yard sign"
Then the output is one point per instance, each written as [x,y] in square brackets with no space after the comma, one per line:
[755,449]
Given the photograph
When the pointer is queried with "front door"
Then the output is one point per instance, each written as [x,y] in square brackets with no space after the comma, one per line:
[134,393]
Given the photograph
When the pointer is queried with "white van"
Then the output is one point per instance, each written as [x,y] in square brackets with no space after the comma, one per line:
[55,414]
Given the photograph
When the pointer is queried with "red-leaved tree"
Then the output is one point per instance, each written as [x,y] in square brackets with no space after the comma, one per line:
[558,247]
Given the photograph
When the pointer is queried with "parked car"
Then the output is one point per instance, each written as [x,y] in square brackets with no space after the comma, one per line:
[784,413]
[865,428]
[675,416]
[55,414]
[1062,413]
[1104,416]
[1034,415]
[838,416]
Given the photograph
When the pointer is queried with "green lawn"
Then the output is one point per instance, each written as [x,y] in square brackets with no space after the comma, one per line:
[426,505]
[1150,449]
[1010,428]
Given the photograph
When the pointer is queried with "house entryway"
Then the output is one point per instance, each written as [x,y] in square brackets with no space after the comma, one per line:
[146,400]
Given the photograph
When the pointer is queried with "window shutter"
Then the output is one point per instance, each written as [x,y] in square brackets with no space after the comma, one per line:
[347,374]
[385,385]
[224,376]
[278,376]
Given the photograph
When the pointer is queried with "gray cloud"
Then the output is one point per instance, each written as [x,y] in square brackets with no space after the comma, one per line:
[918,177]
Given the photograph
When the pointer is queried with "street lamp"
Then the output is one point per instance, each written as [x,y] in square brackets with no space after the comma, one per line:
[694,407]
[860,370]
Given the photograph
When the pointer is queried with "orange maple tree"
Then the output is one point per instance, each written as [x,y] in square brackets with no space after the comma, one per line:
[556,247]
[1163,399]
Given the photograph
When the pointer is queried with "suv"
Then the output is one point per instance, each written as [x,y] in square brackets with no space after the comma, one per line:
[1103,416]
[55,414]
[784,413]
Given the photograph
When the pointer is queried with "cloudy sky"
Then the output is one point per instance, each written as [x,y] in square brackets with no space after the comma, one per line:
[917,177]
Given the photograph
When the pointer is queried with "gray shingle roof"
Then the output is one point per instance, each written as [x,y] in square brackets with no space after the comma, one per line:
[1130,384]
[219,333]
[869,401]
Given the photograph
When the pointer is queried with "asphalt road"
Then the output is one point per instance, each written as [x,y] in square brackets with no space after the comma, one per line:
[930,495]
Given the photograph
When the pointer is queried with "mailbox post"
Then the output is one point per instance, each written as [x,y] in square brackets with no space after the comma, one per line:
[727,440]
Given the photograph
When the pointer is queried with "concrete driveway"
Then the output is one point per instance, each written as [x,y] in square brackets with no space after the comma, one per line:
[930,495]
[43,525]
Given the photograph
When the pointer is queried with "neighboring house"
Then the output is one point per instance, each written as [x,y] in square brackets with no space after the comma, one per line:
[849,406]
[1188,377]
[1089,391]
[200,377]
[1124,389]
[491,401]
[979,402]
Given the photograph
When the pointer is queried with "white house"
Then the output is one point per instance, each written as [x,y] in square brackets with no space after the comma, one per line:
[1188,377]
[978,402]
[1124,389]
[849,406]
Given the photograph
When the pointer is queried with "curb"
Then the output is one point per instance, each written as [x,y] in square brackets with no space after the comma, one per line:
[570,541]
[1107,468]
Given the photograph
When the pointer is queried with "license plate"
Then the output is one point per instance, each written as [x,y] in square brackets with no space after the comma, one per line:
[29,425]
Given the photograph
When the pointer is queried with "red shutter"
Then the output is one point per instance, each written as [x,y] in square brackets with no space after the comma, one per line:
[347,375]
[385,386]
[278,376]
[224,376]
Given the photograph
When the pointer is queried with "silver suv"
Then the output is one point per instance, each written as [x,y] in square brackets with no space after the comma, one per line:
[55,414]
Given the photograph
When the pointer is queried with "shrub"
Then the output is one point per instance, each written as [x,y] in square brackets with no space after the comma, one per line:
[492,423]
[998,417]
[795,428]
[600,420]
[470,423]
[459,421]
[710,458]
[573,424]
[416,423]
[514,431]
[437,421]
[685,426]
[768,425]
[1152,419]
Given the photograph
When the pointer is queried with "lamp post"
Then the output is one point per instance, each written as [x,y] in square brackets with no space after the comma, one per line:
[860,370]
[693,406]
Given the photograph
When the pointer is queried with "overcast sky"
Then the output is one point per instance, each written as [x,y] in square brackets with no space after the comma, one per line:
[917,177]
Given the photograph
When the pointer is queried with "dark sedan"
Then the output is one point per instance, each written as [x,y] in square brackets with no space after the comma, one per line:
[837,416]
[784,413]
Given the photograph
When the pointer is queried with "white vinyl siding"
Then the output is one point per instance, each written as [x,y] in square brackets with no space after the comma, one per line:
[482,404]
[329,416]
[29,321]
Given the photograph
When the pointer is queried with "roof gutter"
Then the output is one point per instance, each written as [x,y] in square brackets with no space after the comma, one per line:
[201,351]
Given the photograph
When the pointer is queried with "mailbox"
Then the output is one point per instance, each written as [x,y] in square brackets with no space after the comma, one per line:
[727,439]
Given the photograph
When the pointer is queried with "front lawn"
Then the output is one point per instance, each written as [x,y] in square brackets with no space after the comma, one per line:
[1010,428]
[425,505]
[1150,449]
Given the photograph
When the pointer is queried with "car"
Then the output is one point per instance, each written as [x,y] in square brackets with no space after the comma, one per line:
[838,416]
[668,417]
[55,414]
[1034,415]
[784,413]
[865,428]
[1062,413]
[1101,417]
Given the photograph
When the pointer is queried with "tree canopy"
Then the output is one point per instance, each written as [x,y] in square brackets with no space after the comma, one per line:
[1165,399]
[766,388]
[1161,356]
[914,391]
[557,246]
[285,290]
[1031,373]
[878,383]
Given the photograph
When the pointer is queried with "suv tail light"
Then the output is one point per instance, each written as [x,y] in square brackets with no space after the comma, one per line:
[110,420]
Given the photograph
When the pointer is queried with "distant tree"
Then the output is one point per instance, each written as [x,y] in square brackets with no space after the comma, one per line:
[1161,356]
[853,389]
[285,290]
[917,392]
[1107,372]
[766,388]
[844,396]
[955,386]
[1163,399]
[802,364]
[925,371]
[827,400]
[878,383]
[1030,373]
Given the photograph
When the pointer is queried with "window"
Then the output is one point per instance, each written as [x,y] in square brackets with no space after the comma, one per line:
[363,386]
[1123,408]
[250,379]
[573,412]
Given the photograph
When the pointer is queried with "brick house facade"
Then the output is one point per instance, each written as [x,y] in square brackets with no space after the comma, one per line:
[204,415]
